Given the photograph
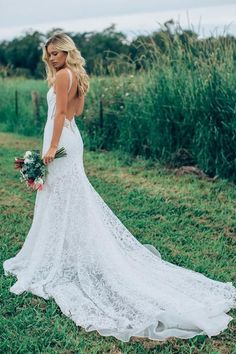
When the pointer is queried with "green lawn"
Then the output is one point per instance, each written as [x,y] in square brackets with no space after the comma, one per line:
[191,222]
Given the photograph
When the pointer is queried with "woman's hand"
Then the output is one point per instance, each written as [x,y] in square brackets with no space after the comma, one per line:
[49,156]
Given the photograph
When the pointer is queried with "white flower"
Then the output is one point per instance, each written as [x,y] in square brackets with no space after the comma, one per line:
[127,94]
[38,180]
[27,154]
[28,160]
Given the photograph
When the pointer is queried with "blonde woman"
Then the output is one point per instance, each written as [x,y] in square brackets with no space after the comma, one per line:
[80,254]
[62,58]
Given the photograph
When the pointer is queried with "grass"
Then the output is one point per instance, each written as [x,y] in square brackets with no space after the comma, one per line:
[191,222]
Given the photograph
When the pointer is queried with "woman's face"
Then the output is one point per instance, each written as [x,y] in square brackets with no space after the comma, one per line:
[56,57]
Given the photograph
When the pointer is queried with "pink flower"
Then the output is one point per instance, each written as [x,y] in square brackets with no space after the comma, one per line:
[30,182]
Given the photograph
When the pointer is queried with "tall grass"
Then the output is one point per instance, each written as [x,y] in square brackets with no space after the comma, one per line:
[184,100]
[183,97]
[16,108]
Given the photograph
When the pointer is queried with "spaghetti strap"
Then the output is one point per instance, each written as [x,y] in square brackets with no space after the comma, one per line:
[70,78]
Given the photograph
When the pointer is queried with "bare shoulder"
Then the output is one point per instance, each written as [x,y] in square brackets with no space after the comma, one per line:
[61,79]
[61,75]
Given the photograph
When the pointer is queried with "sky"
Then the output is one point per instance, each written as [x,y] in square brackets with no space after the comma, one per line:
[134,17]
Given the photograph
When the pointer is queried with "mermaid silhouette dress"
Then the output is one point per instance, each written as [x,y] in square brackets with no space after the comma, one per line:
[80,254]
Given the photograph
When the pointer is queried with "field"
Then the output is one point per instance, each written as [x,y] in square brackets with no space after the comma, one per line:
[178,108]
[191,221]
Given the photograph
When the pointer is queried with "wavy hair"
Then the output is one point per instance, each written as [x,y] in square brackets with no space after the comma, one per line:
[74,61]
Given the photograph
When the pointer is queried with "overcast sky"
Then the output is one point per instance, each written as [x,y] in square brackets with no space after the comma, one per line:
[131,17]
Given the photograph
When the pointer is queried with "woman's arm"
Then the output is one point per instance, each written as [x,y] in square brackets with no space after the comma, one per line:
[61,85]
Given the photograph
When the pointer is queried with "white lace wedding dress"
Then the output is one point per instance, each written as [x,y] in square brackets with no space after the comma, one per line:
[80,254]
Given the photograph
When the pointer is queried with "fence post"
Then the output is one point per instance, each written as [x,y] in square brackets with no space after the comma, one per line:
[101,113]
[35,102]
[16,102]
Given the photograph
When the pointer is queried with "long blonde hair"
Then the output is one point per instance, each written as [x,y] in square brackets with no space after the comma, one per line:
[74,60]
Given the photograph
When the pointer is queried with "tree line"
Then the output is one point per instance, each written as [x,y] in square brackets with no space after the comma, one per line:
[106,52]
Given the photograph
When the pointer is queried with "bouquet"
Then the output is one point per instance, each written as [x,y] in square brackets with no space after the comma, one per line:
[32,168]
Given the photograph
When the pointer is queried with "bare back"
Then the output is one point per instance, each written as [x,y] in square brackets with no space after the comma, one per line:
[75,104]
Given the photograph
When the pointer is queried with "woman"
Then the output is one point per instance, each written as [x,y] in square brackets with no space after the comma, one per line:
[79,253]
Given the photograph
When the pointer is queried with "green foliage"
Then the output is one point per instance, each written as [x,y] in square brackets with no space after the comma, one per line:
[23,54]
[182,102]
[182,98]
[109,52]
[16,106]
